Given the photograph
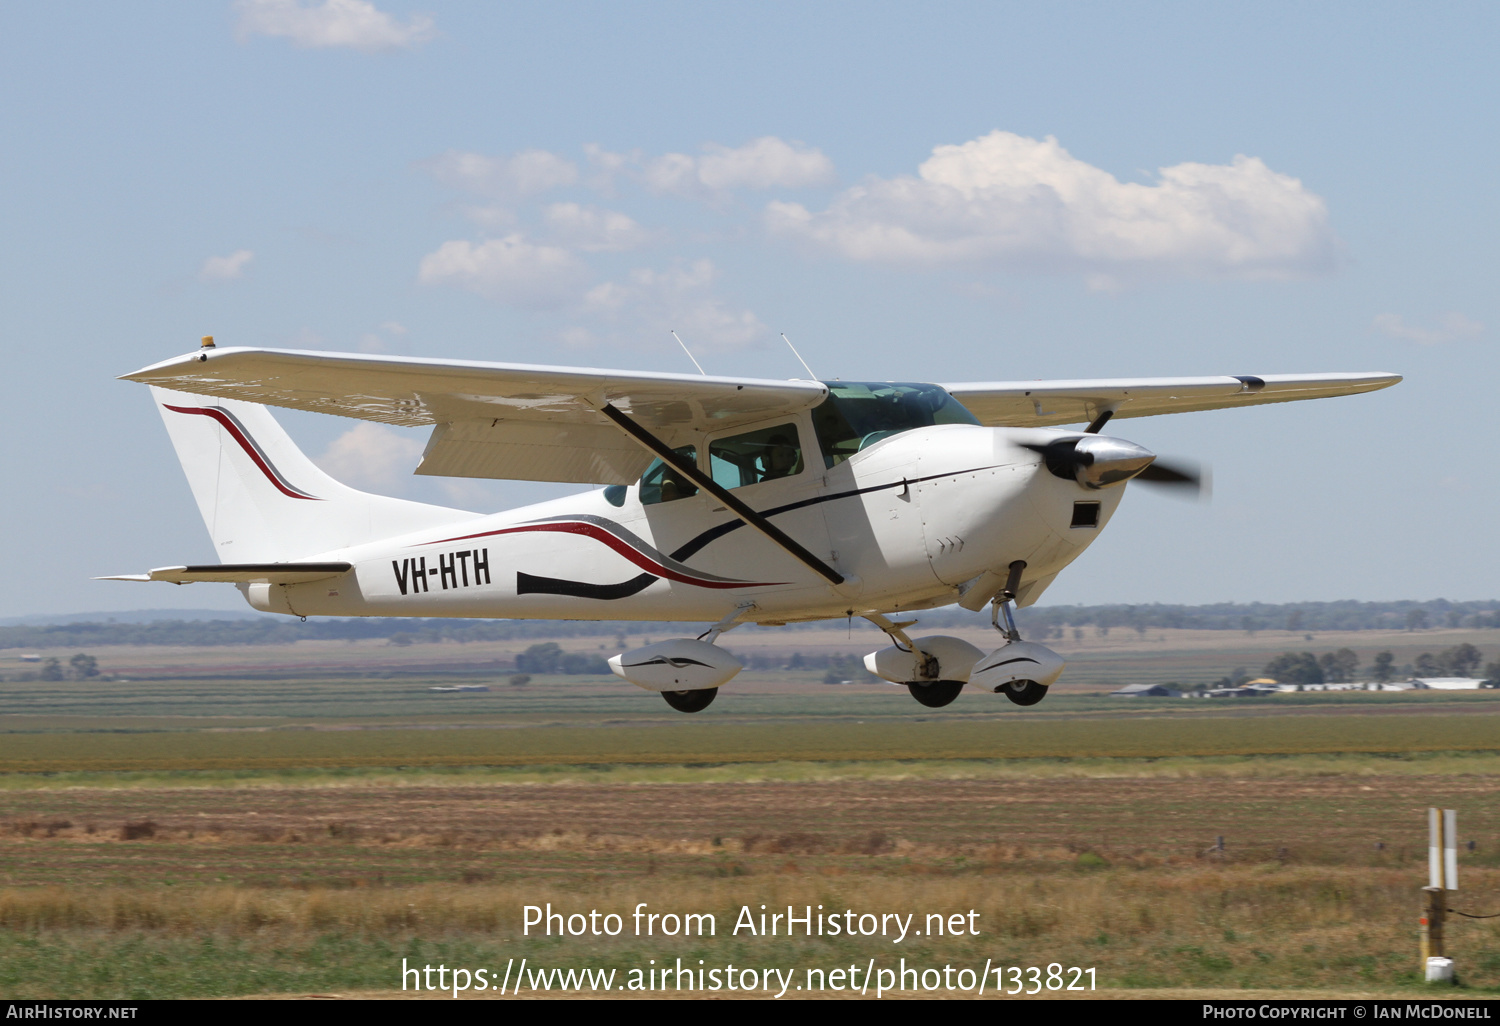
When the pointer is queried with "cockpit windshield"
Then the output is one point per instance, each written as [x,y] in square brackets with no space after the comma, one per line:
[857,414]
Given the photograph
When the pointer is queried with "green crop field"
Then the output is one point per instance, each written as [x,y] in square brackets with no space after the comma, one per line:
[705,741]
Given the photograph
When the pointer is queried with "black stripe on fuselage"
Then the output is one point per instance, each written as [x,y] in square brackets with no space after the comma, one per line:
[530,584]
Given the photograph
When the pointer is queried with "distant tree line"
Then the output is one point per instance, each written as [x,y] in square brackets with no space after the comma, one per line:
[549,657]
[80,667]
[1039,622]
[1342,666]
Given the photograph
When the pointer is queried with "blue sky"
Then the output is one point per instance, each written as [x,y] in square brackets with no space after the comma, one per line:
[929,192]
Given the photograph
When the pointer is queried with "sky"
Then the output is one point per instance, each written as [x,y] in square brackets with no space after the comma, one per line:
[939,192]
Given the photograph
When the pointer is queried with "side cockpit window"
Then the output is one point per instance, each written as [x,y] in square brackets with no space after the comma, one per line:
[756,456]
[660,483]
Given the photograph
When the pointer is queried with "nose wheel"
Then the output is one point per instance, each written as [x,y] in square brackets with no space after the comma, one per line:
[694,701]
[935,693]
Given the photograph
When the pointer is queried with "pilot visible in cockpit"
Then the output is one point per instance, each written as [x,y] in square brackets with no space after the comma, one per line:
[781,458]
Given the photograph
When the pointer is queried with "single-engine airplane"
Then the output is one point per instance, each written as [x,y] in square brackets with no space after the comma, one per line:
[726,500]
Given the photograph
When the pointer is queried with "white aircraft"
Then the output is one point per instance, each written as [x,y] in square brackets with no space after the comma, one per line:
[727,500]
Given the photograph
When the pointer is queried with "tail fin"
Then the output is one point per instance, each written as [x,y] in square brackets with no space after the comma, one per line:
[262,499]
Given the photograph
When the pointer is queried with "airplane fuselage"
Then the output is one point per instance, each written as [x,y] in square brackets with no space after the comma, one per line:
[908,520]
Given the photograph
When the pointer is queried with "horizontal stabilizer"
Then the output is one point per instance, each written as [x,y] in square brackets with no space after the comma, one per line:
[240,573]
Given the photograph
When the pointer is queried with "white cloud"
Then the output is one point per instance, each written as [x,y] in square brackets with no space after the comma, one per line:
[521,174]
[1451,326]
[679,299]
[764,163]
[225,268]
[1023,204]
[593,230]
[372,457]
[351,23]
[606,166]
[509,269]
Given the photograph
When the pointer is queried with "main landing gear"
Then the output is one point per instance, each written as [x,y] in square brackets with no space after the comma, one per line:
[935,693]
[1024,692]
[691,701]
[920,663]
[686,672]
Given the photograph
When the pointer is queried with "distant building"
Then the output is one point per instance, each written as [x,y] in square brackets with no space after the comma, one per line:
[1247,691]
[1448,683]
[1146,691]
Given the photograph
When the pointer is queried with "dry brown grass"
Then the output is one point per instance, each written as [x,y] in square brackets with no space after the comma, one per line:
[1114,873]
[1231,926]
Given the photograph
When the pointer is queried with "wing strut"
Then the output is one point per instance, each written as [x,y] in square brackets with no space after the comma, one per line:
[738,508]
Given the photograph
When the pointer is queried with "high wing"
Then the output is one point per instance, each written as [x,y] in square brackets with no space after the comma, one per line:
[494,420]
[1043,403]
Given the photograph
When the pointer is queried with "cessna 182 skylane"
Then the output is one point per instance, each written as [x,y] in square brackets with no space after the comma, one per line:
[726,500]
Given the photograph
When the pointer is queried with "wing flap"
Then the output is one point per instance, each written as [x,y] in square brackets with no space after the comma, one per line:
[1044,403]
[534,452]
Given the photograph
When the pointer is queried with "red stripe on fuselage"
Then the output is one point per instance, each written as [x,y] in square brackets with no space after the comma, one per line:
[250,449]
[640,559]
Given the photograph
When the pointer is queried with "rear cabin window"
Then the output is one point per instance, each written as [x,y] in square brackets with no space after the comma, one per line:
[756,456]
[857,414]
[660,483]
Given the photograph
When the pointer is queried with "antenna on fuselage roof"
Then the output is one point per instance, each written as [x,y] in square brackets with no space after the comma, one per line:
[810,375]
[685,349]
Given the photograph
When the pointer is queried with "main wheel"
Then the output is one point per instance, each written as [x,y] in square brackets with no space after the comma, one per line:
[690,701]
[1024,692]
[935,694]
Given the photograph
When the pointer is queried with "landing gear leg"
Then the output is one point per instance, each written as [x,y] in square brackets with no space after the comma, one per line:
[1000,604]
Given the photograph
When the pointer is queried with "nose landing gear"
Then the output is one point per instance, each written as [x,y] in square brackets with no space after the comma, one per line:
[1019,670]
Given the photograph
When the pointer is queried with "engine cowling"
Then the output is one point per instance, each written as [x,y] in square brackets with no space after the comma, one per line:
[678,664]
[1017,661]
[955,658]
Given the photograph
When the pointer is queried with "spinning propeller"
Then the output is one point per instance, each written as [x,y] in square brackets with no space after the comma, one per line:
[1096,461]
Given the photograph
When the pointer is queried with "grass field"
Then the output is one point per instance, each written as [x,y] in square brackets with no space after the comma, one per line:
[186,836]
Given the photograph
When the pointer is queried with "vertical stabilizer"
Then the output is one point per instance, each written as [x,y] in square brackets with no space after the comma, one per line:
[262,499]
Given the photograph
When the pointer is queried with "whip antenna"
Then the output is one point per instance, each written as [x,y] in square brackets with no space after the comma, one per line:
[811,376]
[685,349]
